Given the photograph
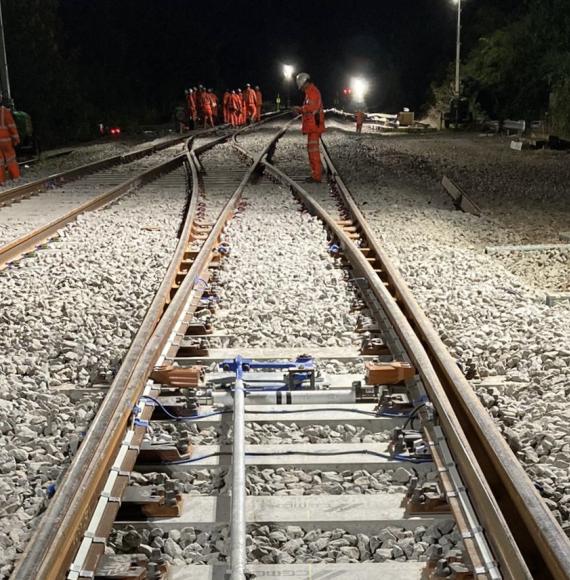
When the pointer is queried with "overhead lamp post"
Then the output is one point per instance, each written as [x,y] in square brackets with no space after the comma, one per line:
[458,50]
[288,72]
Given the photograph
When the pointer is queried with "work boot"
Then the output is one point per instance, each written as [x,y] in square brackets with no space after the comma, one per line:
[311,179]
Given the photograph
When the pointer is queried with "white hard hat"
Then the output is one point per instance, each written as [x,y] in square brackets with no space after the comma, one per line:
[301,79]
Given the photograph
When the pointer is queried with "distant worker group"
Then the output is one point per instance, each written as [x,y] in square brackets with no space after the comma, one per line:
[9,139]
[238,107]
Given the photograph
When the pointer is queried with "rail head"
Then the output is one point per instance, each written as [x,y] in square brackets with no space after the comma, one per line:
[51,549]
[510,556]
[541,540]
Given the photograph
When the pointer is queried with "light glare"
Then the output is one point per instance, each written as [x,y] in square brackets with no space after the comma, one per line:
[359,88]
[288,71]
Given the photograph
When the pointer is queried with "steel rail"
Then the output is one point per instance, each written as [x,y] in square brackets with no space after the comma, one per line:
[52,547]
[541,541]
[67,511]
[512,562]
[28,242]
[38,185]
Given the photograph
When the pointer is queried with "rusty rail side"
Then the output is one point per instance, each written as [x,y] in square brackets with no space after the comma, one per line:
[31,240]
[540,539]
[512,563]
[51,549]
[38,185]
[51,545]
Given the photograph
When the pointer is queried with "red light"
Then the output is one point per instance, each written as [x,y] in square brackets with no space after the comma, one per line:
[347,92]
[115,131]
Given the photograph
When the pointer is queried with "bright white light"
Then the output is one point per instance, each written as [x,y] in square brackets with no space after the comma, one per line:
[288,71]
[359,88]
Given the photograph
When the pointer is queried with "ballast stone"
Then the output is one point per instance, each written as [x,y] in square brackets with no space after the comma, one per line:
[78,305]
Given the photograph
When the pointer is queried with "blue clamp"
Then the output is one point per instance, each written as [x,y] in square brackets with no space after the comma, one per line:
[334,249]
[302,369]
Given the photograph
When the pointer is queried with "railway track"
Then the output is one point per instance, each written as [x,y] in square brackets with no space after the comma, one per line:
[363,459]
[32,213]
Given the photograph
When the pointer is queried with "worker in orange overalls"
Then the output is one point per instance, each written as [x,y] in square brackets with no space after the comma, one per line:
[194,106]
[359,118]
[258,103]
[250,103]
[214,103]
[234,109]
[313,123]
[242,113]
[226,106]
[9,138]
[207,109]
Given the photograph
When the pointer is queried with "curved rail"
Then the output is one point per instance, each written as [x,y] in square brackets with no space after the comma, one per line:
[540,540]
[65,512]
[64,529]
[522,551]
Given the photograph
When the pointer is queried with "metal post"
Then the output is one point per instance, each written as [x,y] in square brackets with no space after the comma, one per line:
[238,558]
[458,51]
[4,61]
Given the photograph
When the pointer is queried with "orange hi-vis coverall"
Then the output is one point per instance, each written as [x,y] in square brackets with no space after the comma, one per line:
[313,126]
[207,110]
[9,138]
[359,118]
[226,106]
[250,104]
[259,104]
[234,106]
[214,102]
[242,109]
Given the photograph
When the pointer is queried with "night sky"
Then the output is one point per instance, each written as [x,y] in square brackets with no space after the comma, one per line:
[155,48]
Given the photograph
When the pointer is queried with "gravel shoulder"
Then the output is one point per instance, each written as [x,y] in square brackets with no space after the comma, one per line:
[18,219]
[489,318]
[81,155]
[67,317]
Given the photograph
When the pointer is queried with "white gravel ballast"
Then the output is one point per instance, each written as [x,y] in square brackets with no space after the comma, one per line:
[281,274]
[67,317]
[489,318]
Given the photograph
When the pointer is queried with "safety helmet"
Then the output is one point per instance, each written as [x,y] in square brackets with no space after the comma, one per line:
[210,90]
[256,87]
[301,79]
[239,90]
[248,86]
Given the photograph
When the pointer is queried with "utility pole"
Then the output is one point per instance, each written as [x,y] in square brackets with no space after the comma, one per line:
[458,50]
[4,77]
